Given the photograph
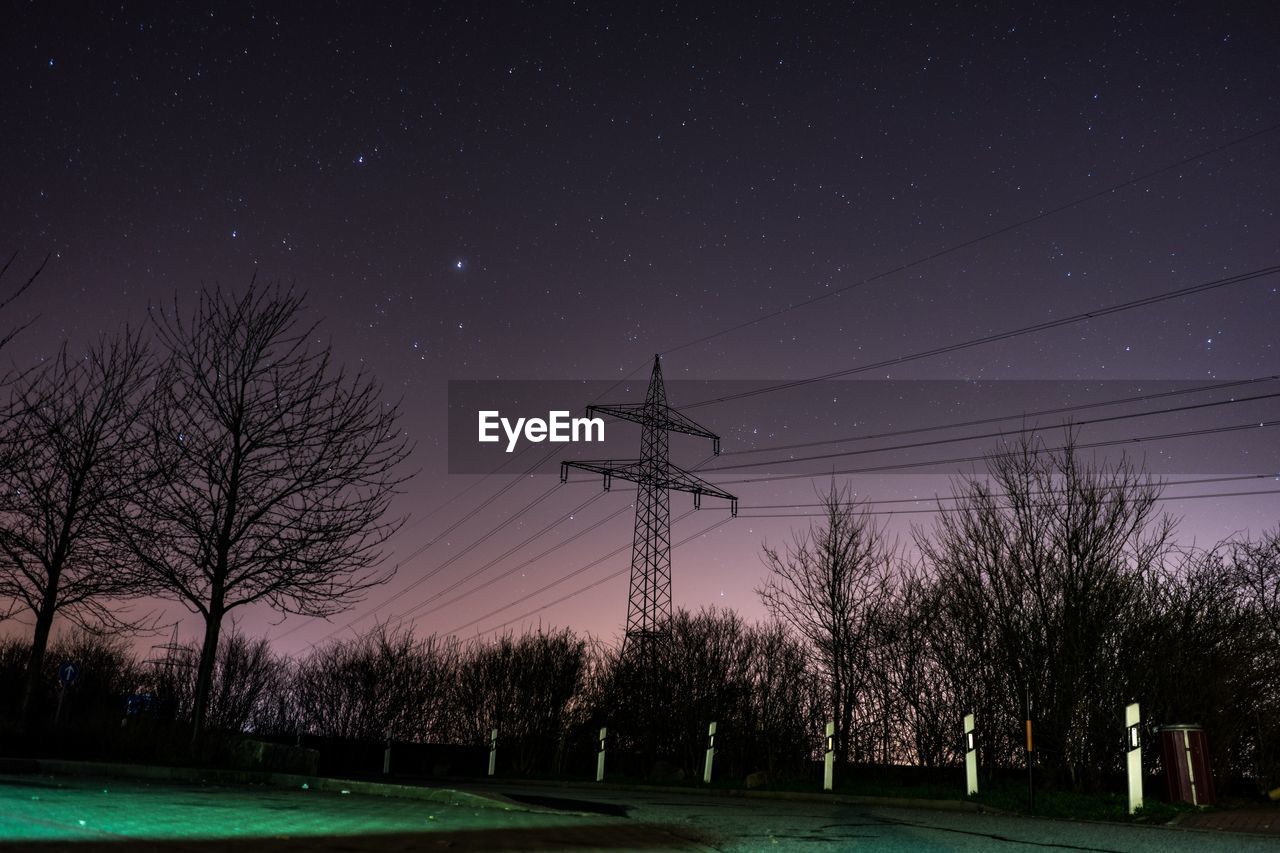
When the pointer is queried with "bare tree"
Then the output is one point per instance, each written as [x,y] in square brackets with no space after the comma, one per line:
[382,683]
[828,585]
[916,716]
[9,605]
[71,443]
[275,470]
[524,686]
[1040,575]
[1257,574]
[8,299]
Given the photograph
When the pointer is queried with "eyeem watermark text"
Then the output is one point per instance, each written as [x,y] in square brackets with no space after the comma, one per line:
[557,428]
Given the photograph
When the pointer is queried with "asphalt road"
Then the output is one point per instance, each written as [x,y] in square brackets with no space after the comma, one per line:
[46,814]
[738,825]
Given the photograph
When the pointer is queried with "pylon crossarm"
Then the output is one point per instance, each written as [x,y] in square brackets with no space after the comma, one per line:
[667,419]
[685,481]
[677,422]
[635,471]
[607,468]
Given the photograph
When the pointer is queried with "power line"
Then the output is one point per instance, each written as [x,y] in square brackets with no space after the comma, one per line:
[441,567]
[1001,336]
[527,562]
[454,498]
[983,457]
[1270,475]
[619,573]
[1077,407]
[477,572]
[939,509]
[1022,431]
[1217,149]
[424,546]
[575,573]
[511,484]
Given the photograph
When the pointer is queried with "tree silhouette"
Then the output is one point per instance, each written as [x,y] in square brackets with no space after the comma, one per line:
[71,442]
[1042,574]
[829,586]
[8,299]
[274,470]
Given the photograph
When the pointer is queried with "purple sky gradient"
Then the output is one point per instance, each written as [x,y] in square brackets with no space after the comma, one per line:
[541,192]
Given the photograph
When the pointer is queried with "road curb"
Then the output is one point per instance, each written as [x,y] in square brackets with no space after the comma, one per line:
[160,773]
[743,793]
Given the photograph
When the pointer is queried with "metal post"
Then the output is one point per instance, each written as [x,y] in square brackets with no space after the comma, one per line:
[600,755]
[386,756]
[1133,755]
[828,775]
[711,753]
[970,756]
[62,691]
[493,751]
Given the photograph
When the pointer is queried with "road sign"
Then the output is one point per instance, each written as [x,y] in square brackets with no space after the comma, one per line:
[69,673]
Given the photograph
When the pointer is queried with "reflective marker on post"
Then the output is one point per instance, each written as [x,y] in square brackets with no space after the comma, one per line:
[1133,755]
[600,755]
[711,754]
[828,776]
[970,756]
[493,751]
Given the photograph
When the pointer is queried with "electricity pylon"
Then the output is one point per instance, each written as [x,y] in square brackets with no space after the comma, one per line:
[649,602]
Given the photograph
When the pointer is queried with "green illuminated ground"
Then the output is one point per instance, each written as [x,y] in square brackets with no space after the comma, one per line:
[68,812]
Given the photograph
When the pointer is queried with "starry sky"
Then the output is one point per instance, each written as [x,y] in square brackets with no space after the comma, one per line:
[557,191]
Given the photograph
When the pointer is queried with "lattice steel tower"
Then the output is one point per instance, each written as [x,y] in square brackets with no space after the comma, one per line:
[649,602]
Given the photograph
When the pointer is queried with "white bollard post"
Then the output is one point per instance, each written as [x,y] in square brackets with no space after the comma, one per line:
[711,754]
[828,775]
[493,751]
[970,756]
[600,755]
[1133,757]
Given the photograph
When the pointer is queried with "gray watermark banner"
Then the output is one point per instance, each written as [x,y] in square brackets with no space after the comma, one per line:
[1166,426]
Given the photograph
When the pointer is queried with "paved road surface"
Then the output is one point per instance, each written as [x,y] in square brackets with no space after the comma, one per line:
[44,814]
[740,825]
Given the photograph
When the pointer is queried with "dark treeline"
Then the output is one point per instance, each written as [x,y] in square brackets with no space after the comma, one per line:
[1054,585]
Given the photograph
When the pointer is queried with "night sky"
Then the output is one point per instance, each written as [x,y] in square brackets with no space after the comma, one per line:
[558,191]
